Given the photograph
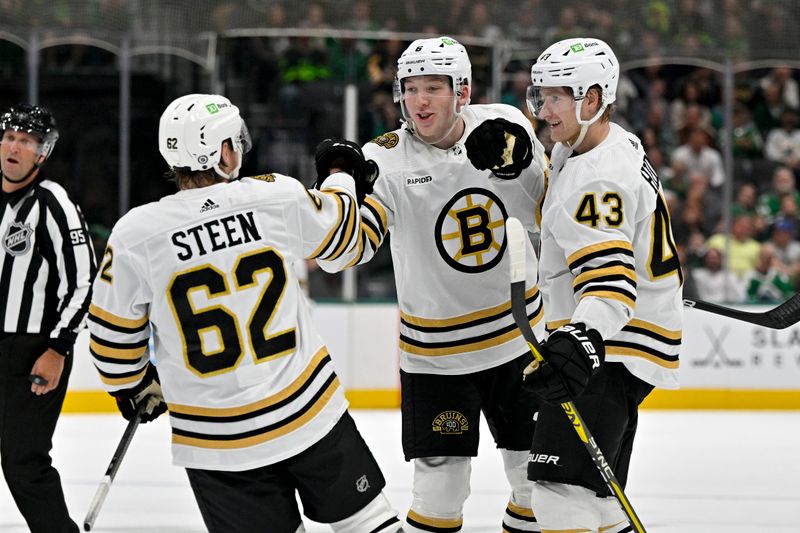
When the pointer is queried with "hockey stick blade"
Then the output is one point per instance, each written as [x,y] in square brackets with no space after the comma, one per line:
[113,466]
[781,317]
[516,236]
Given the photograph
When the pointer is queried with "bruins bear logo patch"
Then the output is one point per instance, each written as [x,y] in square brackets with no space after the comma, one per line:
[387,140]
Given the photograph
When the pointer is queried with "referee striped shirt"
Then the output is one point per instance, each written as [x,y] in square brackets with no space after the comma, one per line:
[47,264]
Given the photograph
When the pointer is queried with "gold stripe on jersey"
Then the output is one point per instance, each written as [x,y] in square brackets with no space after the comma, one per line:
[597,250]
[604,273]
[489,340]
[124,379]
[261,435]
[379,212]
[371,232]
[466,320]
[448,524]
[555,324]
[347,234]
[327,241]
[631,349]
[675,335]
[113,350]
[316,200]
[540,203]
[362,245]
[611,293]
[114,320]
[319,359]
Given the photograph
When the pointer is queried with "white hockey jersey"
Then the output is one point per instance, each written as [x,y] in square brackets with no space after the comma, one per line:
[247,379]
[608,258]
[446,220]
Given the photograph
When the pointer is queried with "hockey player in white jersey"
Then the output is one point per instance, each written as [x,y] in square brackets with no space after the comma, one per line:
[258,414]
[459,347]
[611,284]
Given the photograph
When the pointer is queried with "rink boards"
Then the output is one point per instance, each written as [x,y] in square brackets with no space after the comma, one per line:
[725,364]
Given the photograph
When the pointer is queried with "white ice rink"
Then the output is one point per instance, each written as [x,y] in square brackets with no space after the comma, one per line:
[692,472]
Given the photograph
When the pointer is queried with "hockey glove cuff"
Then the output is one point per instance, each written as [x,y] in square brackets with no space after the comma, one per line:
[572,354]
[148,390]
[348,157]
[501,146]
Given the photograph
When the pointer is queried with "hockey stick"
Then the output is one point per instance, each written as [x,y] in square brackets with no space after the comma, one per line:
[517,237]
[113,466]
[781,317]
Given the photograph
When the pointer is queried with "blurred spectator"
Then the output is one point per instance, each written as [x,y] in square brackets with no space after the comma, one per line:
[690,95]
[702,208]
[785,248]
[781,77]
[382,65]
[783,144]
[745,204]
[656,130]
[743,249]
[697,155]
[567,26]
[783,185]
[515,94]
[529,21]
[767,282]
[480,23]
[747,140]
[715,285]
[768,107]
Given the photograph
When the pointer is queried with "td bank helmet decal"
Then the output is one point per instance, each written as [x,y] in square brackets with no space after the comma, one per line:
[469,233]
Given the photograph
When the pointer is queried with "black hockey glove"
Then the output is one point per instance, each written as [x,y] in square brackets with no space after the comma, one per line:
[347,156]
[500,146]
[148,390]
[572,355]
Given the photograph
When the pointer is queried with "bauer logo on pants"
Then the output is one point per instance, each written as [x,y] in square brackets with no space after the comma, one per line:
[450,423]
[17,240]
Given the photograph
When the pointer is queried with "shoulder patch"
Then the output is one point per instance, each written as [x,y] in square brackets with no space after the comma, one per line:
[269,178]
[387,140]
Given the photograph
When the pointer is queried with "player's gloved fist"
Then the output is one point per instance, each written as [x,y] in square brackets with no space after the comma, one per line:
[348,157]
[572,355]
[148,390]
[500,146]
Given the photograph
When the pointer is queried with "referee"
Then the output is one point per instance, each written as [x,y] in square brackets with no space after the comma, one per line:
[46,269]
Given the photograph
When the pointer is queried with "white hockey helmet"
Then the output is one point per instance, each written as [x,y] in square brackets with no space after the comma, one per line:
[579,64]
[193,128]
[438,56]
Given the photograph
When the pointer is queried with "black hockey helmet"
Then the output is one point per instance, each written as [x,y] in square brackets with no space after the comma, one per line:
[35,120]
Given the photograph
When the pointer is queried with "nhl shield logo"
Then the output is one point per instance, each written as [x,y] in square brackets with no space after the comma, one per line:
[362,484]
[17,240]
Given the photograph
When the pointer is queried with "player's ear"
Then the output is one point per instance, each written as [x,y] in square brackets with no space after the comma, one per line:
[466,93]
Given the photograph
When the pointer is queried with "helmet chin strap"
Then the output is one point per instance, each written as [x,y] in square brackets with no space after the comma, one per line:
[233,174]
[35,167]
[584,123]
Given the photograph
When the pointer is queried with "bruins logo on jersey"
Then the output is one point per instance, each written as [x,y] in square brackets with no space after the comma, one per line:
[387,140]
[269,178]
[470,233]
[450,423]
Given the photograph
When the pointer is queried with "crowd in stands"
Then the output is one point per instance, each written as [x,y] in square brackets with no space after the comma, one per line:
[290,90]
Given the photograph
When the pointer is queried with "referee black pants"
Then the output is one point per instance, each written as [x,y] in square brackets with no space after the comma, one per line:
[27,424]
